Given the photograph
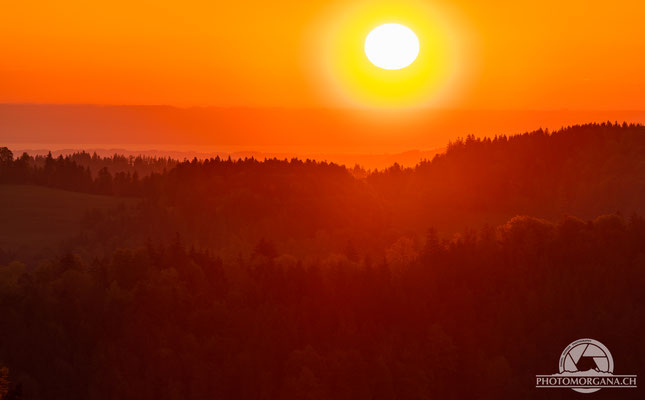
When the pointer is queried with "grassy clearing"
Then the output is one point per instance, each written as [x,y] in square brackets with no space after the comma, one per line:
[34,217]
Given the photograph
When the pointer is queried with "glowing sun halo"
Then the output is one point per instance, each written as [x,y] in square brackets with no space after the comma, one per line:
[392,46]
[390,54]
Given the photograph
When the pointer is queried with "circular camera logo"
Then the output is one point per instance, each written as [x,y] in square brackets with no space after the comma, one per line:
[586,366]
[586,357]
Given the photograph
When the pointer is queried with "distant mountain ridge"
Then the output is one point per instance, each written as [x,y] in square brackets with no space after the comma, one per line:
[273,130]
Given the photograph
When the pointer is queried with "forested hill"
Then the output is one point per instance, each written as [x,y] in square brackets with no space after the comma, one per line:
[307,280]
[584,171]
[581,170]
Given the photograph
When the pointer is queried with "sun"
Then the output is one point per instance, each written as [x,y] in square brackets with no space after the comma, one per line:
[392,46]
[390,54]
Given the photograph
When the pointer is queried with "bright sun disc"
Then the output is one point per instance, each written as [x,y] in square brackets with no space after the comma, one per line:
[392,46]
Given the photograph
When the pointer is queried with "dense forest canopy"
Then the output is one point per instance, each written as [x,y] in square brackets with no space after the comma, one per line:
[297,279]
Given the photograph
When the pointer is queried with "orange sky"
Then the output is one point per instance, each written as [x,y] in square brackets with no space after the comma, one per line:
[519,55]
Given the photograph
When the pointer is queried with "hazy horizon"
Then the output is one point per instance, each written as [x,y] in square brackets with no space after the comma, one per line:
[271,130]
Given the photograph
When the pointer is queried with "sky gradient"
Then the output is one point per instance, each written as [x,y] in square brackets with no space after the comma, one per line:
[538,55]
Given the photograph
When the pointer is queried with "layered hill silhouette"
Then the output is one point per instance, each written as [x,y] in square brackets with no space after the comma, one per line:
[584,171]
